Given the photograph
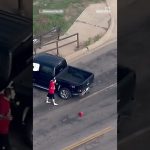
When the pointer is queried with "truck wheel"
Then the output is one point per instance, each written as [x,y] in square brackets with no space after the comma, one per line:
[65,93]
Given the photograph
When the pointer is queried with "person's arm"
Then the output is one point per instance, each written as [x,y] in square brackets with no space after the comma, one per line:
[3,117]
[8,116]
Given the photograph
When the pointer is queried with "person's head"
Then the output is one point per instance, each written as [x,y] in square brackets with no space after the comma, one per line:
[7,93]
[54,79]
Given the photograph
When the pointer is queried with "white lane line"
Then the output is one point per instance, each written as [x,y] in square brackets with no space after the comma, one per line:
[102,90]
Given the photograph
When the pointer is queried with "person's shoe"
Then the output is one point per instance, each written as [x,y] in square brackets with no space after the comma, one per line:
[54,103]
[47,100]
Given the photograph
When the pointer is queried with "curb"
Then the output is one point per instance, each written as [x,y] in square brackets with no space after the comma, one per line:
[104,41]
[86,51]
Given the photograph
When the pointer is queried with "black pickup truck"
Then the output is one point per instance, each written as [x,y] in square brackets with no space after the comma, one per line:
[126,79]
[70,80]
[15,46]
[15,56]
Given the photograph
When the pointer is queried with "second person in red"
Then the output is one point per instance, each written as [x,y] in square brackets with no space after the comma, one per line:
[5,118]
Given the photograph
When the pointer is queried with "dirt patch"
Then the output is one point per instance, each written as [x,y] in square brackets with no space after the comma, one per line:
[72,12]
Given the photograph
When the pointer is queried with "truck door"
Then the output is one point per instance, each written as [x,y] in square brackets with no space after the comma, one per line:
[44,76]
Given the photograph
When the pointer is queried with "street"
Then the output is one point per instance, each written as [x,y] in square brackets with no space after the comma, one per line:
[58,127]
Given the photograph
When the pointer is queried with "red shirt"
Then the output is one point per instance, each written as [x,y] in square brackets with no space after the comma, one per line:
[4,110]
[51,87]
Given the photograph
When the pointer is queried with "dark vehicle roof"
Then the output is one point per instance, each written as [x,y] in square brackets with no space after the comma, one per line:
[48,59]
[13,30]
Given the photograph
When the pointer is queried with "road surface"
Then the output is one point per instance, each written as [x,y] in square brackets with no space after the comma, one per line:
[58,127]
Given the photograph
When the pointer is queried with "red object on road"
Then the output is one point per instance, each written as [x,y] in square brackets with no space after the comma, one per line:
[81,114]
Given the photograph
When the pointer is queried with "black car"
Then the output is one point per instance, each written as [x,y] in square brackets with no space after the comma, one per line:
[70,80]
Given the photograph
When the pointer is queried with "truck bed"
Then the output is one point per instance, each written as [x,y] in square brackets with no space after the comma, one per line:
[74,75]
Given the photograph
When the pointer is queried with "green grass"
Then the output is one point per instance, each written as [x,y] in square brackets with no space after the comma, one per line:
[62,4]
[96,38]
[88,42]
[45,23]
[91,40]
[72,9]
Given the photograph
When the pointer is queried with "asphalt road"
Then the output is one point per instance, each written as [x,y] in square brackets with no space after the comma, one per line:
[62,126]
[58,127]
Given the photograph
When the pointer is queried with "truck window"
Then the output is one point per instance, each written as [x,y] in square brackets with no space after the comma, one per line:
[36,67]
[46,70]
[60,67]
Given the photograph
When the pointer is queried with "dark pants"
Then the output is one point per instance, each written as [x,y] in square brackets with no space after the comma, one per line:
[4,142]
[50,96]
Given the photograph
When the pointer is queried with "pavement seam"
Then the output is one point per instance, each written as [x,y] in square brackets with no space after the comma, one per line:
[84,22]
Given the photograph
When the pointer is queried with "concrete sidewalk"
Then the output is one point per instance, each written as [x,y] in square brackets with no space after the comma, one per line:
[96,20]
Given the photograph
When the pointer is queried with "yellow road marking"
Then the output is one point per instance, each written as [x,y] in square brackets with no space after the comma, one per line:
[89,138]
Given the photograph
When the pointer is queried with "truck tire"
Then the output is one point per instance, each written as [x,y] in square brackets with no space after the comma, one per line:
[65,93]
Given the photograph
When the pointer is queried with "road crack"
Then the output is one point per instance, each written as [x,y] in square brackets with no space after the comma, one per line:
[98,26]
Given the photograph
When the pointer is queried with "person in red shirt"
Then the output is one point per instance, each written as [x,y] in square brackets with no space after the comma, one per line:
[5,118]
[51,92]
